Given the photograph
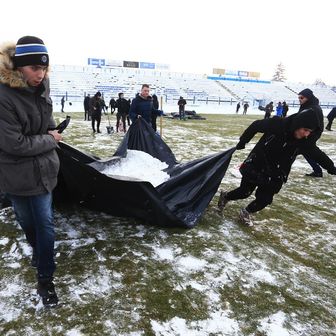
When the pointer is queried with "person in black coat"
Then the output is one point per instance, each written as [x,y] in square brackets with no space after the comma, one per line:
[268,165]
[245,106]
[154,115]
[181,104]
[96,111]
[237,107]
[112,104]
[87,107]
[331,116]
[62,104]
[123,107]
[309,101]
[268,110]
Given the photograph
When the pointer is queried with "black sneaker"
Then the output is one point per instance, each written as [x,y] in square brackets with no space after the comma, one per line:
[46,289]
[33,261]
[245,217]
[222,200]
[313,174]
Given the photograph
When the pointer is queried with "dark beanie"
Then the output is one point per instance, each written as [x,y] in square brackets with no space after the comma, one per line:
[120,94]
[30,50]
[305,119]
[307,93]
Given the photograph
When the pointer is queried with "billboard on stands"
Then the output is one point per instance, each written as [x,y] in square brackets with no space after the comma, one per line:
[130,64]
[243,73]
[231,72]
[254,74]
[218,71]
[147,65]
[96,61]
[114,63]
[236,73]
[162,66]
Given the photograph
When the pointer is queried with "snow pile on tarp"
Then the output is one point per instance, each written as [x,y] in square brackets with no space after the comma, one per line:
[139,165]
[178,201]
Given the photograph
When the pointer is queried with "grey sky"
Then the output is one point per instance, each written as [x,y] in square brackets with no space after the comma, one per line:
[191,36]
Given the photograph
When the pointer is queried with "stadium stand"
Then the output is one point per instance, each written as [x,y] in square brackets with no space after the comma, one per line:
[74,82]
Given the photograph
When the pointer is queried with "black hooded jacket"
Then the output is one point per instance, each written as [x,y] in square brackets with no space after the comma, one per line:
[313,104]
[277,149]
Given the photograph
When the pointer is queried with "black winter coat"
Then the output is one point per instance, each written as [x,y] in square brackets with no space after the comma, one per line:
[95,107]
[87,103]
[313,104]
[332,114]
[275,152]
[123,106]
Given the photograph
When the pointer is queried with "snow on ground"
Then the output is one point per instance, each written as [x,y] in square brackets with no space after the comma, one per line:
[117,276]
[141,166]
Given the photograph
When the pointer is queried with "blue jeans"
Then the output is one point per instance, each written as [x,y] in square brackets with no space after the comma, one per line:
[316,167]
[35,216]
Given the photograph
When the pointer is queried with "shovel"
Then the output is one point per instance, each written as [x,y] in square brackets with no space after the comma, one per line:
[109,128]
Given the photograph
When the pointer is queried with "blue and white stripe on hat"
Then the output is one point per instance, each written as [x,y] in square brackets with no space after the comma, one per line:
[30,49]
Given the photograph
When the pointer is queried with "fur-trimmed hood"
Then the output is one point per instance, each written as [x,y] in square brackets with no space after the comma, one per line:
[8,75]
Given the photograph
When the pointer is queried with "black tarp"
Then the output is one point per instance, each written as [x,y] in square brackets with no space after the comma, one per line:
[180,201]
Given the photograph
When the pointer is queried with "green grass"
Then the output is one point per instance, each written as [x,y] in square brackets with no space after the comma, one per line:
[117,276]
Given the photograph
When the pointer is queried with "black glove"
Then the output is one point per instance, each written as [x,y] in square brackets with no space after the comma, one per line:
[240,145]
[332,171]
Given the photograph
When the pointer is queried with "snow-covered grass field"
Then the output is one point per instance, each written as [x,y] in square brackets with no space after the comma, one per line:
[117,276]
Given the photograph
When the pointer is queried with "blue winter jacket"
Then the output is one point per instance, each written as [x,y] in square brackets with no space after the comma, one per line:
[279,111]
[144,107]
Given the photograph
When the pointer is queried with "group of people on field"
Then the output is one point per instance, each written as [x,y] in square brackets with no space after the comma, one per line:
[281,109]
[29,164]
[143,104]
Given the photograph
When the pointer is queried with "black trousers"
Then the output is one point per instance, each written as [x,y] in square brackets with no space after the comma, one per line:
[93,119]
[121,116]
[330,121]
[316,167]
[86,115]
[154,117]
[263,195]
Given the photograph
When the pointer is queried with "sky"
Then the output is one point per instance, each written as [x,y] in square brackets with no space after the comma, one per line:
[191,36]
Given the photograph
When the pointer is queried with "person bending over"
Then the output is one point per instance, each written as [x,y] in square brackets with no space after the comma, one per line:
[267,167]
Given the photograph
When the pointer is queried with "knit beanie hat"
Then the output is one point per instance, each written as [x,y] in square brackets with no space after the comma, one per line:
[305,119]
[307,93]
[30,50]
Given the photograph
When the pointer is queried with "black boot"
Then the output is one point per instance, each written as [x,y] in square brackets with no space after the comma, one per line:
[222,200]
[313,174]
[33,261]
[46,289]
